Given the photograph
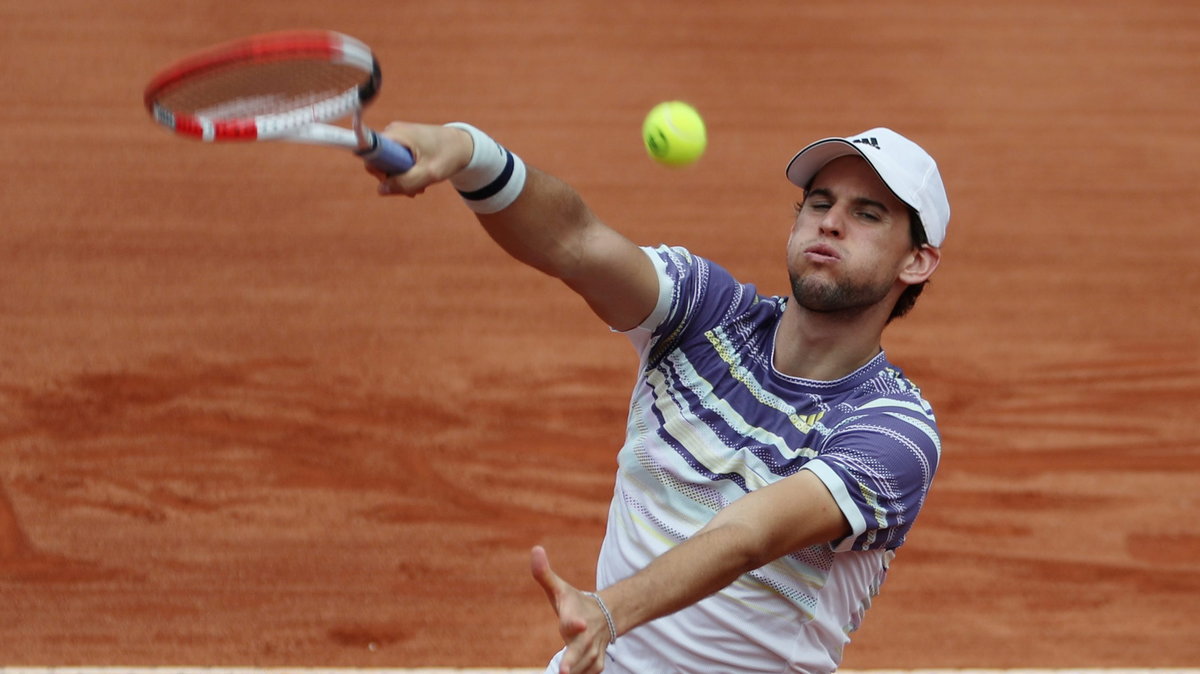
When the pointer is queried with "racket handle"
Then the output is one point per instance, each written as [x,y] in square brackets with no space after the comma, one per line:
[385,154]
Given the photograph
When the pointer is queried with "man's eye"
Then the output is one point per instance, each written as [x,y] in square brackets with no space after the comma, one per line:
[812,205]
[869,216]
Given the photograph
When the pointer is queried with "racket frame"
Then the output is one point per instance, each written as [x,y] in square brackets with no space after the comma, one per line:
[306,124]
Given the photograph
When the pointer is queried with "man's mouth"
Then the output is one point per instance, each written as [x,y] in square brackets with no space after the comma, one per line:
[820,252]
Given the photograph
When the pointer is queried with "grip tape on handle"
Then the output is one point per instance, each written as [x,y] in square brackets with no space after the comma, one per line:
[386,154]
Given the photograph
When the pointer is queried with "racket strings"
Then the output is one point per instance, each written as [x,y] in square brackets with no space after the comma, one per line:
[259,89]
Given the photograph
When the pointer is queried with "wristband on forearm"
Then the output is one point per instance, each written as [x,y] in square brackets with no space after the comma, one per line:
[493,178]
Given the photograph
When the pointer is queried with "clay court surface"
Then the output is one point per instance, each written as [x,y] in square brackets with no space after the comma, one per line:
[252,414]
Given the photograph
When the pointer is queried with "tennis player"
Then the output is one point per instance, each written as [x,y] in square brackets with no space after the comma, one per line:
[774,458]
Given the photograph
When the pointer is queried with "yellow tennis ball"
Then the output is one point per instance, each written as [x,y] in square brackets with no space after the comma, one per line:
[674,133]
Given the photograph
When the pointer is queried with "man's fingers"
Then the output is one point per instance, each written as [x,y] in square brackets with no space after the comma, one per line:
[581,656]
[439,152]
[583,659]
[539,567]
[557,591]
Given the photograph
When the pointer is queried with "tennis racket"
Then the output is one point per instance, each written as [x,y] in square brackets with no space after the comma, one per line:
[285,86]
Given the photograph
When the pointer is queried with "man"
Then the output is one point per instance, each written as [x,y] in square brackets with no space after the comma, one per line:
[774,459]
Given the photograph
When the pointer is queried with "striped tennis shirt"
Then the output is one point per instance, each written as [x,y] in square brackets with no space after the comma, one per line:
[710,420]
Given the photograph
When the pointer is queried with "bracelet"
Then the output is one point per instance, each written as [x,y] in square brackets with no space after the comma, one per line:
[493,178]
[612,627]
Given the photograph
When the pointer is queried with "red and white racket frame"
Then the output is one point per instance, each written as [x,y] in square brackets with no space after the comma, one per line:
[309,124]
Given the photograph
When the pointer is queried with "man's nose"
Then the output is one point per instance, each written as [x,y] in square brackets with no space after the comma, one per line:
[831,223]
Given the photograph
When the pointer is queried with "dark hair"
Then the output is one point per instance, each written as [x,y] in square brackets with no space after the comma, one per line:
[916,232]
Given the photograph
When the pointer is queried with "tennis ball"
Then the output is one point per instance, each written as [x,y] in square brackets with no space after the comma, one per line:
[674,134]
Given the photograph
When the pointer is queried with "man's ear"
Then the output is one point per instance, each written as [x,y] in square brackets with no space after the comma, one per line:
[920,264]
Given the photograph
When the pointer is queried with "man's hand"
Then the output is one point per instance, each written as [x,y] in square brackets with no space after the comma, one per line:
[438,153]
[580,621]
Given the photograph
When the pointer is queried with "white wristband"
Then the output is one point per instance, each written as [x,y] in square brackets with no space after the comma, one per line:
[493,178]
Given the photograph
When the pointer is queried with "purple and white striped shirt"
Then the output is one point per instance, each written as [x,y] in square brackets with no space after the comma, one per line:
[711,420]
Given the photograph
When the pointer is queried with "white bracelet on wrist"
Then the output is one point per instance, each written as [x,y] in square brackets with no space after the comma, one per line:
[612,627]
[494,177]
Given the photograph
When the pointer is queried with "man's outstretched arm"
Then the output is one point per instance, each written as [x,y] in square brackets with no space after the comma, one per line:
[548,226]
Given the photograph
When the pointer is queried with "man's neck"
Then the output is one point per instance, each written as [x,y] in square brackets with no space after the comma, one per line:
[824,346]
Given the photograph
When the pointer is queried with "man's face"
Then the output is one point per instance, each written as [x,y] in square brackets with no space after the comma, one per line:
[850,240]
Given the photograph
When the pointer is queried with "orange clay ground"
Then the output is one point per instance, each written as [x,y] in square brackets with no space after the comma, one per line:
[252,414]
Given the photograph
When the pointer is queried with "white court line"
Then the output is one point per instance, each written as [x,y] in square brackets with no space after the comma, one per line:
[538,671]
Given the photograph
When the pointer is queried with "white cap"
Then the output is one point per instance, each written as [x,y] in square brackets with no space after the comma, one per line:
[908,171]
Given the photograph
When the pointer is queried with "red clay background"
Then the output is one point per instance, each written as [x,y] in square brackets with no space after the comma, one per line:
[251,414]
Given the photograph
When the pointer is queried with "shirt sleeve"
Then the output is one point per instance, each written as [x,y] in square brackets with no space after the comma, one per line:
[694,295]
[641,335]
[879,466]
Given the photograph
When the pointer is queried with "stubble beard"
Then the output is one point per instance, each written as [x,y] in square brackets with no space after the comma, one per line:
[833,297]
